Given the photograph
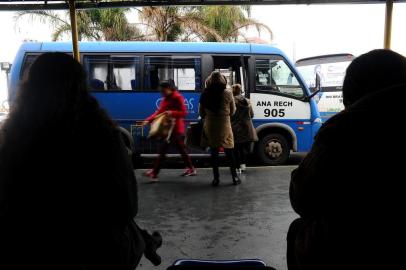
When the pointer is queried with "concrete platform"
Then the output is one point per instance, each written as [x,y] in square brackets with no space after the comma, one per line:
[227,222]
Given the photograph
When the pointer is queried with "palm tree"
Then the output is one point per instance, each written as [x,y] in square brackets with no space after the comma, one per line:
[95,24]
[113,24]
[229,21]
[208,23]
[174,23]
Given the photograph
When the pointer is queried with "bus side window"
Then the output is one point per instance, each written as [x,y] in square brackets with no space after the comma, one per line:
[126,73]
[274,75]
[185,71]
[97,71]
[107,73]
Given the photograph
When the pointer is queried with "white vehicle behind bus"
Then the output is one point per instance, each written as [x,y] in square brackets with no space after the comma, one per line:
[326,74]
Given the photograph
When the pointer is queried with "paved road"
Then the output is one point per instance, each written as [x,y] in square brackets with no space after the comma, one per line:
[176,162]
[198,221]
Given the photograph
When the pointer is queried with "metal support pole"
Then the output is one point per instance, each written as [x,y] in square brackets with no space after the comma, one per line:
[7,79]
[388,24]
[74,29]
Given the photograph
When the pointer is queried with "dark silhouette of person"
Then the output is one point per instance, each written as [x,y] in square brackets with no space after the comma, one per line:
[68,194]
[349,190]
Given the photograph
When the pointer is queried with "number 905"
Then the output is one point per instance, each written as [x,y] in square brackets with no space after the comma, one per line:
[274,112]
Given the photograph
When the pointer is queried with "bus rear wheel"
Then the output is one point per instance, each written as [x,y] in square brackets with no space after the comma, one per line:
[273,149]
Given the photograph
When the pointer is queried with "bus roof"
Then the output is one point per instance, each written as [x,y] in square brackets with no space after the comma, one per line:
[152,47]
[324,59]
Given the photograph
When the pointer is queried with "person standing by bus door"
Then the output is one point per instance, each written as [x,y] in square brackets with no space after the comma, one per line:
[216,106]
[172,105]
[243,128]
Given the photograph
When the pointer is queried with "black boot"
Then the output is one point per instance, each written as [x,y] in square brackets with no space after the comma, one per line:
[216,174]
[152,243]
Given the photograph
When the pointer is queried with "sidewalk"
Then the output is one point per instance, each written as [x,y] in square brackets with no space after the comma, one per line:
[228,222]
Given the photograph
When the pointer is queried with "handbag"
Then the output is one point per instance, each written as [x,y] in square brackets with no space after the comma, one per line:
[194,135]
[162,127]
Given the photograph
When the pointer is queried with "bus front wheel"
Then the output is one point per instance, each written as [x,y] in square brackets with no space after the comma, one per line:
[273,149]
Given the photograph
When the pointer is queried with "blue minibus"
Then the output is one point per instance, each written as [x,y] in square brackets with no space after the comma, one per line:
[124,77]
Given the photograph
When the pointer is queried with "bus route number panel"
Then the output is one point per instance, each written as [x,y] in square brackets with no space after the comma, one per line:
[268,106]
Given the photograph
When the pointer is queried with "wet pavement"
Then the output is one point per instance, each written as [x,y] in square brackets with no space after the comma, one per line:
[227,222]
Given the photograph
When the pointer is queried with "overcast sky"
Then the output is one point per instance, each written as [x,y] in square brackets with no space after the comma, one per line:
[299,30]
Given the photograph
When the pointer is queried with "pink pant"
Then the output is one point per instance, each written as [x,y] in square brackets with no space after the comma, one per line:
[178,141]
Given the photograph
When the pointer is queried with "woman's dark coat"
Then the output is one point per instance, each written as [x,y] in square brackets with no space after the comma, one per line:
[350,189]
[241,121]
[68,199]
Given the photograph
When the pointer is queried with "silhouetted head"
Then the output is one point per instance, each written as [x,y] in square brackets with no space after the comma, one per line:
[56,84]
[371,72]
[53,110]
[54,97]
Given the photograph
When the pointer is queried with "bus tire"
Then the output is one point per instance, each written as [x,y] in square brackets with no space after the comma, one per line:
[273,149]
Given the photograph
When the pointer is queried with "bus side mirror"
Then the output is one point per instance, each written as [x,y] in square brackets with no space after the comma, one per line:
[308,98]
[317,83]
[314,90]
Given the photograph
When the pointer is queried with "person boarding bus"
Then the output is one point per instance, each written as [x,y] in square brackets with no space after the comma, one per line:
[216,106]
[243,128]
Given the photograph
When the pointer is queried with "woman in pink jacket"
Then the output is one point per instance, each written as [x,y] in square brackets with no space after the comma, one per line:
[172,105]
